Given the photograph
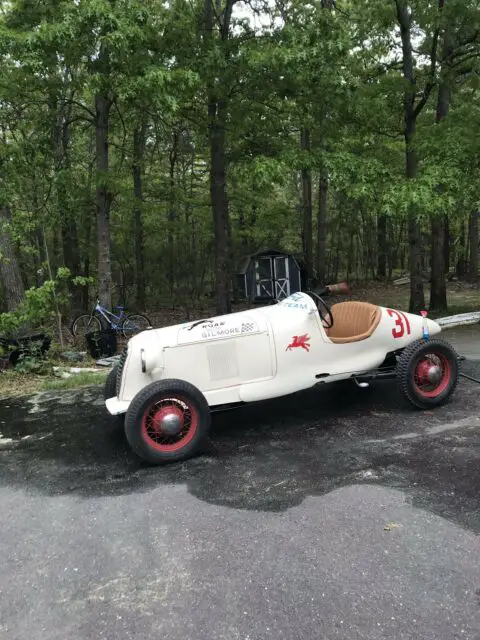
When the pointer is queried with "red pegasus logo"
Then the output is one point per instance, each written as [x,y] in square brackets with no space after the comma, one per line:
[299,341]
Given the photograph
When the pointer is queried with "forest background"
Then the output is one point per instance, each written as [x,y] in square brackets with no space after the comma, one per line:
[147,146]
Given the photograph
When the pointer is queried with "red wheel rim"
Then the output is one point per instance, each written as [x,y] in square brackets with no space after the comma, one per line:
[432,374]
[169,424]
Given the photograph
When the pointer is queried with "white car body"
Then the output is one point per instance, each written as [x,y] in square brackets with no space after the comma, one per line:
[259,354]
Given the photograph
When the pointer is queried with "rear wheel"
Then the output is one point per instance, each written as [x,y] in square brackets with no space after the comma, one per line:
[135,323]
[167,421]
[427,372]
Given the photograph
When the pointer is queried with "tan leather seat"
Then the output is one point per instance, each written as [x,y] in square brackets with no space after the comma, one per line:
[353,321]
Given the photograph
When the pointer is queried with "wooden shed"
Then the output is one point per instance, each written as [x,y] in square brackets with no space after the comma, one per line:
[268,275]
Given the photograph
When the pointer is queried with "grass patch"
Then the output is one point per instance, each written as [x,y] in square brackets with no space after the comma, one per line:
[75,381]
[14,384]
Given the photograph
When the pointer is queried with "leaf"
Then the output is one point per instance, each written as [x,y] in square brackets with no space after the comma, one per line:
[391,526]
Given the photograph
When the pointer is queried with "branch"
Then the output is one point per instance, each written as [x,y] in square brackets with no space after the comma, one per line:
[431,82]
[462,48]
[394,136]
[79,104]
[227,16]
[115,103]
[471,39]
[466,58]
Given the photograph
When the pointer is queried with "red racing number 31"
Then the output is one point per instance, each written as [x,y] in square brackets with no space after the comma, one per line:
[401,323]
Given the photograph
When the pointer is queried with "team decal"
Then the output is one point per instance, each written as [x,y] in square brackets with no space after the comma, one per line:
[210,329]
[296,301]
[296,305]
[402,323]
[299,342]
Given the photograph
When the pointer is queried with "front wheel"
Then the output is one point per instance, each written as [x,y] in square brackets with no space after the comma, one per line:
[427,372]
[110,388]
[135,323]
[84,324]
[167,421]
[109,391]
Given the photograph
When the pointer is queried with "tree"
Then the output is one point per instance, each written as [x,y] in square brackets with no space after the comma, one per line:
[307,230]
[438,289]
[139,135]
[473,241]
[216,41]
[9,268]
[103,104]
[411,110]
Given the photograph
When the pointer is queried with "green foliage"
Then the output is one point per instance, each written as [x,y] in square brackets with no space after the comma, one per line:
[39,306]
[28,364]
[288,66]
[76,381]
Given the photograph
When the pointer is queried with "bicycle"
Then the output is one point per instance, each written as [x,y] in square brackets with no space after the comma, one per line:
[127,325]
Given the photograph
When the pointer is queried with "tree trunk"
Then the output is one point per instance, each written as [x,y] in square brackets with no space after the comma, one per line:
[473,247]
[461,253]
[411,112]
[382,246]
[417,295]
[9,269]
[172,216]
[86,263]
[322,228]
[307,207]
[218,194]
[71,249]
[137,174]
[438,289]
[217,116]
[103,199]
[446,244]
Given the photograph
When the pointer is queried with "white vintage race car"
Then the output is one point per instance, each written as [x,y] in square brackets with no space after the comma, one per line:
[169,380]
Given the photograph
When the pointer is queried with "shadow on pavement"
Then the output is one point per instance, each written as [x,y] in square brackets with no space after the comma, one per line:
[263,457]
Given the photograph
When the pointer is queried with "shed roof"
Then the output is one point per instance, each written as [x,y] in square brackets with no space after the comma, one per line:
[245,261]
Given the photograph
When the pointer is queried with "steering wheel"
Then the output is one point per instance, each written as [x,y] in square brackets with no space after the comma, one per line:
[323,310]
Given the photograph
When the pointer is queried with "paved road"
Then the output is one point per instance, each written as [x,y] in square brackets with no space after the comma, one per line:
[465,339]
[333,514]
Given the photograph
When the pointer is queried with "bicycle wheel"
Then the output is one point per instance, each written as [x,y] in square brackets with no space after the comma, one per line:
[85,324]
[135,323]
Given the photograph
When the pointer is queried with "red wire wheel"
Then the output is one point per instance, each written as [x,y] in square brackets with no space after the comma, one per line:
[170,424]
[427,371]
[167,421]
[432,375]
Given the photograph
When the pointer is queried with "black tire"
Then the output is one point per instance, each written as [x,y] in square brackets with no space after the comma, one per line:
[134,323]
[92,323]
[410,374]
[173,398]
[109,391]
[110,388]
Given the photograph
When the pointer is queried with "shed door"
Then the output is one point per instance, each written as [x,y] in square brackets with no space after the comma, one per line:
[282,277]
[264,277]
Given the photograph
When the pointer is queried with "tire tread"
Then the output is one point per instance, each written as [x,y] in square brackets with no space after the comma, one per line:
[138,406]
[403,373]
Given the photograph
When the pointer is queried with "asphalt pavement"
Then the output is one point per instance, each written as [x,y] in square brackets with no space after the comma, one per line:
[338,513]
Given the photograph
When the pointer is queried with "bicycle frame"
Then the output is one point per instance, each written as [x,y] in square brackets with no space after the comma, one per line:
[109,316]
